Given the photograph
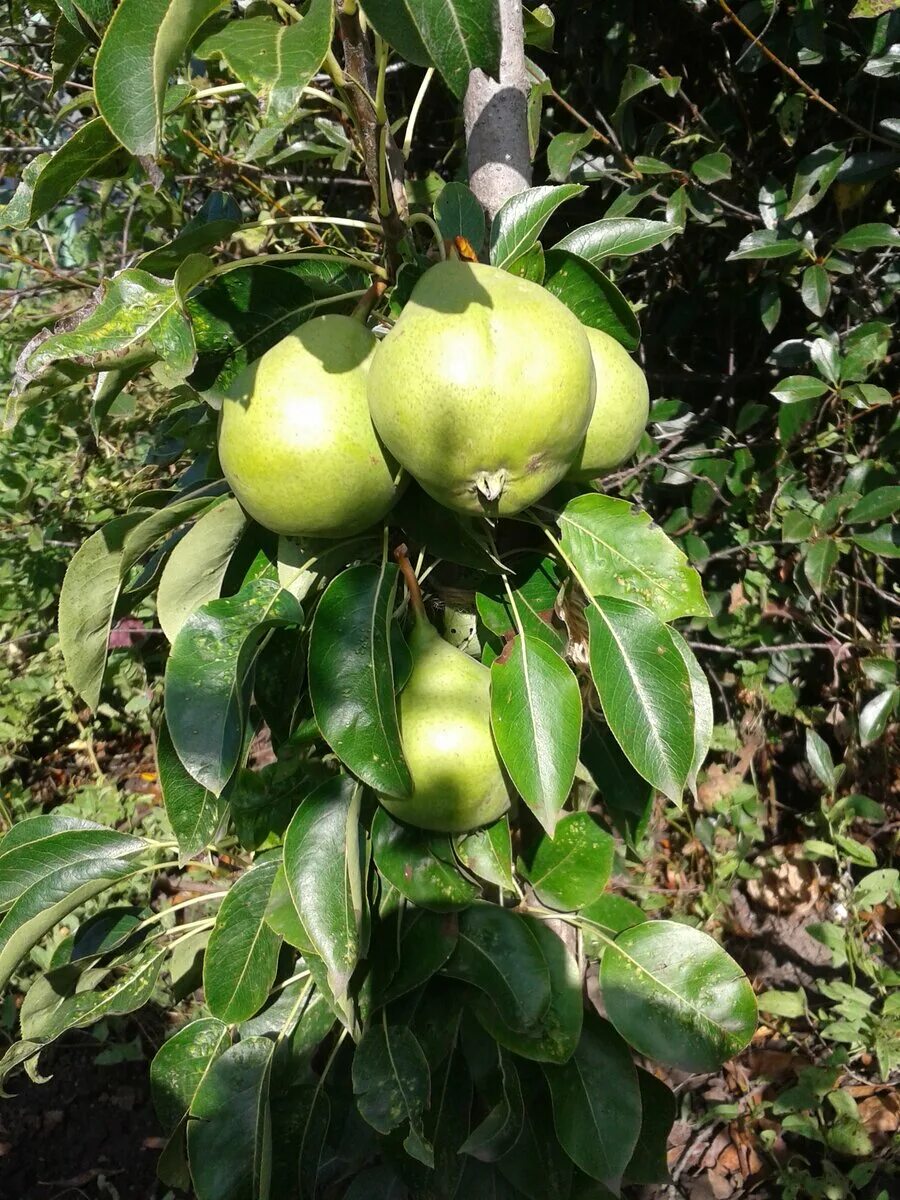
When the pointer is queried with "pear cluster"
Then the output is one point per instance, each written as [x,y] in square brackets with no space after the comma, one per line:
[487,391]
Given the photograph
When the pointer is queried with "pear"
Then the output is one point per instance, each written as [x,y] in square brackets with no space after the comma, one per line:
[445,727]
[483,389]
[621,408]
[296,441]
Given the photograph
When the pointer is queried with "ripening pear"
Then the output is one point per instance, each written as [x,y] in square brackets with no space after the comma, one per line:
[445,727]
[621,408]
[296,441]
[483,389]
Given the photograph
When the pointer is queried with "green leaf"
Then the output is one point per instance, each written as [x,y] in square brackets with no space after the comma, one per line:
[645,691]
[597,1103]
[536,722]
[871,236]
[91,152]
[180,1065]
[875,887]
[324,864]
[194,812]
[562,150]
[449,535]
[703,707]
[818,755]
[626,796]
[229,1132]
[276,62]
[420,941]
[218,218]
[144,42]
[459,214]
[712,168]
[537,1165]
[500,1129]
[355,706]
[539,24]
[196,568]
[392,1085]
[619,551]
[881,502]
[799,387]
[459,35]
[592,296]
[95,12]
[885,541]
[518,224]
[419,865]
[394,22]
[242,954]
[818,565]
[498,953]
[530,265]
[209,674]
[572,868]
[48,867]
[783,1004]
[764,244]
[874,717]
[815,175]
[616,237]
[676,996]
[648,1164]
[555,1035]
[535,593]
[487,853]
[815,289]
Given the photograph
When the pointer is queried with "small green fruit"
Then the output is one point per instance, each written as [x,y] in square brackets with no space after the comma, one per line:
[483,389]
[445,727]
[621,408]
[296,441]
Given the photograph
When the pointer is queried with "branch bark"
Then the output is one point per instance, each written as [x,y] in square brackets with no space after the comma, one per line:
[496,117]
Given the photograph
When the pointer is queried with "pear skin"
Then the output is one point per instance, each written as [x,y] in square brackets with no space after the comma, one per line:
[483,389]
[445,727]
[296,441]
[621,408]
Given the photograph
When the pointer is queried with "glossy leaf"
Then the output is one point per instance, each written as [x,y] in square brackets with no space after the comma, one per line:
[355,706]
[871,236]
[597,1103]
[536,721]
[572,868]
[619,551]
[275,61]
[563,150]
[195,569]
[498,953]
[764,244]
[324,867]
[675,995]
[616,237]
[626,796]
[209,673]
[535,589]
[194,812]
[229,1133]
[143,44]
[592,296]
[518,224]
[91,152]
[459,214]
[242,954]
[701,696]
[392,1085]
[394,22]
[48,867]
[874,716]
[180,1065]
[648,1163]
[487,853]
[555,1035]
[419,865]
[423,942]
[458,35]
[799,387]
[815,174]
[712,168]
[645,691]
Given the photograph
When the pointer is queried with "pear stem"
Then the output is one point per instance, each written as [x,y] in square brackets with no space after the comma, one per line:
[401,557]
[368,300]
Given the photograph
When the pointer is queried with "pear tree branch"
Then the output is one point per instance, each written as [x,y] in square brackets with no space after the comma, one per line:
[496,117]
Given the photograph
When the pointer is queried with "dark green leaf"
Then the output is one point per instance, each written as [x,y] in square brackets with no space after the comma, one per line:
[394,22]
[537,1165]
[619,551]
[216,221]
[459,35]
[881,502]
[592,296]
[875,715]
[209,673]
[712,168]
[799,387]
[764,244]
[562,150]
[392,1085]
[815,175]
[676,996]
[518,224]
[536,721]
[501,1128]
[242,954]
[572,868]
[616,237]
[815,289]
[645,691]
[819,562]
[648,1163]
[180,1065]
[355,706]
[597,1103]
[194,812]
[885,541]
[535,589]
[459,214]
[419,865]
[868,237]
[487,853]
[627,797]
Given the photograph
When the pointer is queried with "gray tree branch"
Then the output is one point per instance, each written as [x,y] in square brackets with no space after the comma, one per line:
[496,117]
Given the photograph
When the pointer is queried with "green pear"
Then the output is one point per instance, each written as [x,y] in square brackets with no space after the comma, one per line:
[483,389]
[621,408]
[296,441]
[445,727]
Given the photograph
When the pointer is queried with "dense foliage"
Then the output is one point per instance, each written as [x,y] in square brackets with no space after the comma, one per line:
[382,1011]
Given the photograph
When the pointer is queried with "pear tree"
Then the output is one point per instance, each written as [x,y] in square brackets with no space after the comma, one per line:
[387,550]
